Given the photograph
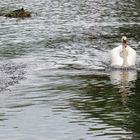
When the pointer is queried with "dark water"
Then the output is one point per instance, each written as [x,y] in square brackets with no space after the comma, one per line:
[54,78]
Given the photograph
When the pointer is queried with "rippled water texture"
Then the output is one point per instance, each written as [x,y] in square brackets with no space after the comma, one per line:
[55,81]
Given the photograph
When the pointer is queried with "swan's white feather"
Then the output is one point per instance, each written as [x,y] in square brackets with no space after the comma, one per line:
[117,60]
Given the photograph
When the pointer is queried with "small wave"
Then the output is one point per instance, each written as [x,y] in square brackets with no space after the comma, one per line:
[11,74]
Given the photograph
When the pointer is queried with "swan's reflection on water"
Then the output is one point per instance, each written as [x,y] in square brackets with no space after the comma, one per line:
[123,78]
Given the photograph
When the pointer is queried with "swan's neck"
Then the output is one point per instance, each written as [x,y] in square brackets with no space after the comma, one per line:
[124,55]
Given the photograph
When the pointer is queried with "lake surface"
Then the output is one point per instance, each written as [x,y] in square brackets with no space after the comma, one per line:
[55,81]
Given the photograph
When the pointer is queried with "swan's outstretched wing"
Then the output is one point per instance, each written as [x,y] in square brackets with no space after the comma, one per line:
[131,57]
[116,59]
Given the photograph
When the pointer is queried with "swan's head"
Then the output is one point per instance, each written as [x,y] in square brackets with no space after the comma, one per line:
[124,41]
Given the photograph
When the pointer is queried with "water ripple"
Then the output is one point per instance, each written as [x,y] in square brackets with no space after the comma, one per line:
[55,65]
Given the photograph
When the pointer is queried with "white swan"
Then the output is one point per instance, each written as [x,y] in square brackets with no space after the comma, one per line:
[123,55]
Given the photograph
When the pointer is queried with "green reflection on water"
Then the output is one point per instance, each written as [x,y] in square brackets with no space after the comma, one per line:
[97,98]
